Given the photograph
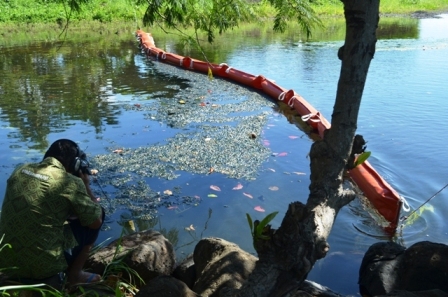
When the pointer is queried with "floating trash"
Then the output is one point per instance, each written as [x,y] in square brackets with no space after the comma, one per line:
[259,208]
[239,186]
[215,188]
[209,123]
[248,195]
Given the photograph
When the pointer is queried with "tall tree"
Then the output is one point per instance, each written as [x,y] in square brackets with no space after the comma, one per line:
[289,253]
[286,258]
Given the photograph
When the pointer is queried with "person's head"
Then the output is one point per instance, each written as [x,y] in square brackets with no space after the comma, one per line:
[68,153]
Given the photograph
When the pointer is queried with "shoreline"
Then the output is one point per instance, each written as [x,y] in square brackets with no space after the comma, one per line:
[24,33]
[418,14]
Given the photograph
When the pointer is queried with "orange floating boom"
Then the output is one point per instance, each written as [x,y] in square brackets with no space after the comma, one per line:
[381,195]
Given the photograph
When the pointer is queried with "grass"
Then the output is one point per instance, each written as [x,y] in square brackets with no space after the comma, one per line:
[27,11]
[21,34]
[106,11]
[118,279]
[410,6]
[24,21]
[335,8]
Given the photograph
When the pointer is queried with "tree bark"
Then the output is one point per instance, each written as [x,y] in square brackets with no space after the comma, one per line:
[287,257]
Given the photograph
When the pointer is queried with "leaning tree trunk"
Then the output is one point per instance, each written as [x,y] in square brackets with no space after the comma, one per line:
[292,250]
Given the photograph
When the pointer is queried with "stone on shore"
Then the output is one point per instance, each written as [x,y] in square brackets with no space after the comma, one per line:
[149,253]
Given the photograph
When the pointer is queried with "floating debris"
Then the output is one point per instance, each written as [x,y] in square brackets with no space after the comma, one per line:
[215,188]
[259,208]
[239,186]
[248,195]
[213,120]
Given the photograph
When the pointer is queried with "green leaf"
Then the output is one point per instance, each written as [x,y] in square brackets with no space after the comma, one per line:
[268,218]
[18,287]
[266,221]
[251,224]
[361,158]
[263,223]
[210,74]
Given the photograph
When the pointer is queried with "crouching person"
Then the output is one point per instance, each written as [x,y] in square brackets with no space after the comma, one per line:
[50,217]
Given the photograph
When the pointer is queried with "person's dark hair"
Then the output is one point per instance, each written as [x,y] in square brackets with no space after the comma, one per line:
[64,150]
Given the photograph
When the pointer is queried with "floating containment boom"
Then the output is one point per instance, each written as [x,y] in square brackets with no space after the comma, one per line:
[381,195]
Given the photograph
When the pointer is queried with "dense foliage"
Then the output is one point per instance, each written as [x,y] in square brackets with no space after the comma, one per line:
[57,11]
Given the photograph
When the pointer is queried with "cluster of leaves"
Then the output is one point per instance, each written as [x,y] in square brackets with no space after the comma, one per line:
[257,228]
[210,16]
[207,16]
[299,10]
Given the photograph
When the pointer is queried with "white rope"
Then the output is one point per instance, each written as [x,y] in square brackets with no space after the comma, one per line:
[306,117]
[228,69]
[281,97]
[309,117]
[405,205]
[291,101]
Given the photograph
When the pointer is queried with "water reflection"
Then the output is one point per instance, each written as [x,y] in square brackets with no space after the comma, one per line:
[398,28]
[45,87]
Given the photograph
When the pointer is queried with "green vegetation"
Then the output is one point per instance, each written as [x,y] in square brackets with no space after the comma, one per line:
[410,6]
[257,228]
[118,280]
[53,11]
[334,7]
[128,11]
[23,21]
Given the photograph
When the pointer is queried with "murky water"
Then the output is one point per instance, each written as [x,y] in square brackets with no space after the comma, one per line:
[161,136]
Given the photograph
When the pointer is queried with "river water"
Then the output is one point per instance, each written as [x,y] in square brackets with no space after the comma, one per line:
[172,146]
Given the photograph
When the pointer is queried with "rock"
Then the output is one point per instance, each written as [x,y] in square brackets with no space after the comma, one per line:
[430,293]
[165,286]
[186,271]
[312,289]
[377,274]
[390,269]
[220,264]
[149,253]
[424,267]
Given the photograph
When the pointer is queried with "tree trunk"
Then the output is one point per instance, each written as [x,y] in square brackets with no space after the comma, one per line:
[287,257]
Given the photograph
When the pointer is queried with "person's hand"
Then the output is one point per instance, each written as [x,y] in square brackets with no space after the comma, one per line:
[85,177]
